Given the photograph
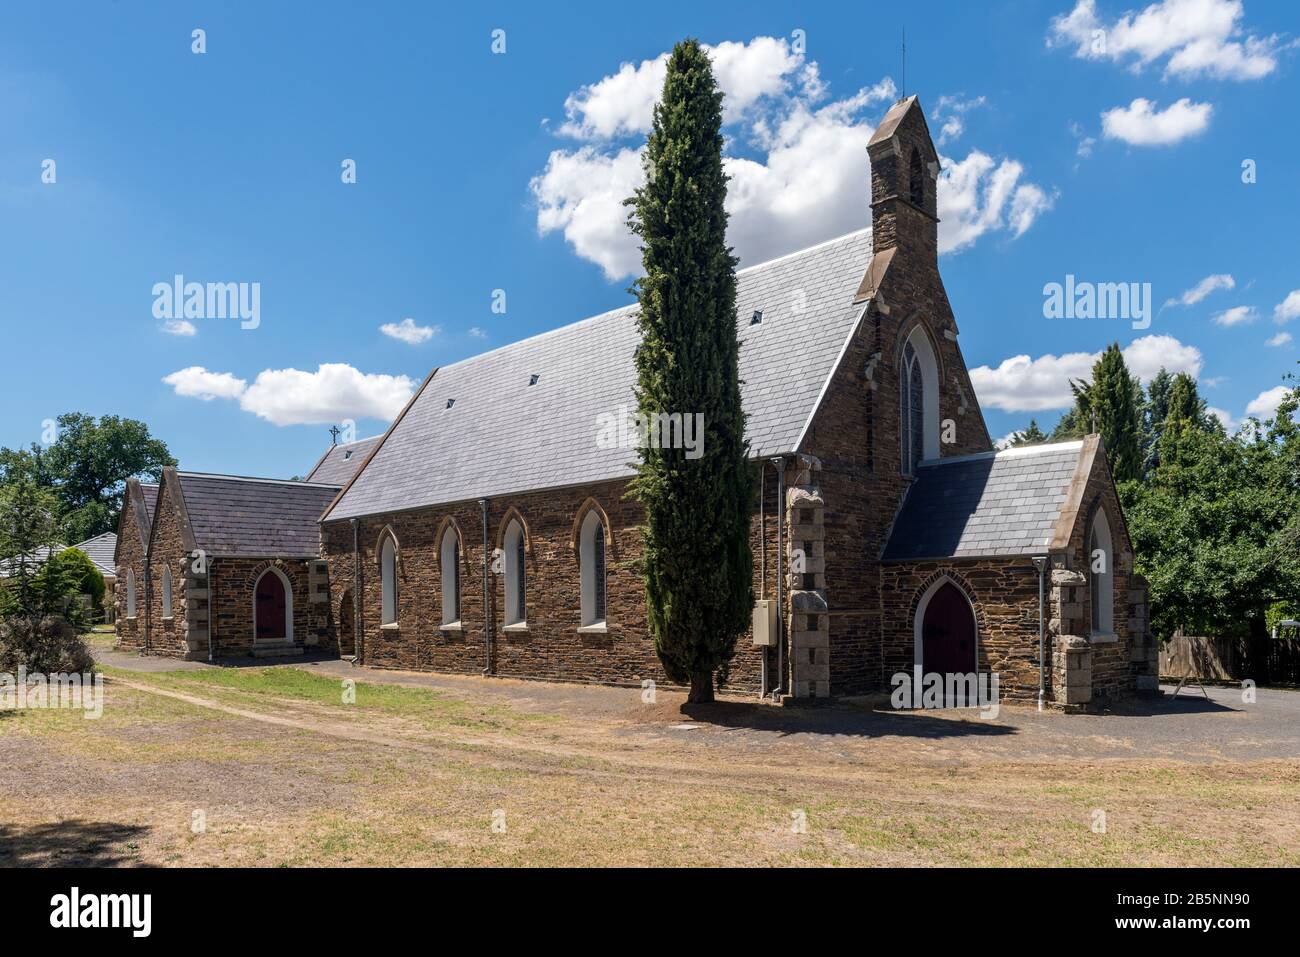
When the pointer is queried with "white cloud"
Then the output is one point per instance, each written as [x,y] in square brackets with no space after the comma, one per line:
[1022,384]
[810,162]
[335,391]
[1194,37]
[407,331]
[1213,382]
[1281,339]
[179,327]
[980,194]
[1236,316]
[623,102]
[1264,406]
[949,112]
[477,333]
[1084,142]
[1141,124]
[198,383]
[1288,308]
[1202,289]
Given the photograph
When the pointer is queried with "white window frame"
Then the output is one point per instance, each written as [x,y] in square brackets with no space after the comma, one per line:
[1101,591]
[388,583]
[923,353]
[516,576]
[449,560]
[130,593]
[592,524]
[167,591]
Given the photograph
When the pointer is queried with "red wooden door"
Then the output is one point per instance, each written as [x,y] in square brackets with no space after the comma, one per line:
[270,607]
[948,633]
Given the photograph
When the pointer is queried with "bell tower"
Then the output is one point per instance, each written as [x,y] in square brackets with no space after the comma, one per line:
[904,177]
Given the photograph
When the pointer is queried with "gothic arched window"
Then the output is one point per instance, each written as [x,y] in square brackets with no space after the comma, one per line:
[449,559]
[918,378]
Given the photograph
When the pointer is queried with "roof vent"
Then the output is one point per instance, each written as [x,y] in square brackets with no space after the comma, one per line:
[450,403]
[347,455]
[532,379]
[756,318]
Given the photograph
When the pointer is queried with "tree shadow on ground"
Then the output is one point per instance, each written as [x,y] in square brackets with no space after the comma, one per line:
[70,844]
[1165,705]
[844,720]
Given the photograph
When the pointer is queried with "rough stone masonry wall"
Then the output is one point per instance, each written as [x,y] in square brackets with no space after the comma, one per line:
[232,584]
[130,554]
[1114,664]
[855,435]
[1004,594]
[552,646]
[167,636]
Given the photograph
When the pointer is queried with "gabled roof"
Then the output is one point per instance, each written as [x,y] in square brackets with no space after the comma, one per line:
[991,504]
[101,550]
[477,428]
[341,462]
[139,499]
[233,515]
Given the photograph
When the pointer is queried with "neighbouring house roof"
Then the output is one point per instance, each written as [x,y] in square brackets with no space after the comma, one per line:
[477,428]
[101,549]
[39,556]
[341,462]
[989,504]
[233,515]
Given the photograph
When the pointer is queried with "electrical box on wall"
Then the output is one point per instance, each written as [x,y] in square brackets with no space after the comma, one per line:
[765,622]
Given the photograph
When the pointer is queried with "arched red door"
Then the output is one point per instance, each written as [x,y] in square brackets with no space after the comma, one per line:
[948,633]
[270,607]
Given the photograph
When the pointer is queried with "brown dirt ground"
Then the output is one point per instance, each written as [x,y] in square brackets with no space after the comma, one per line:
[595,776]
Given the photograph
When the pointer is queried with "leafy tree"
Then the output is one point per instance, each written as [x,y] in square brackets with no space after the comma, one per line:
[1032,435]
[33,586]
[697,563]
[90,581]
[88,465]
[1215,526]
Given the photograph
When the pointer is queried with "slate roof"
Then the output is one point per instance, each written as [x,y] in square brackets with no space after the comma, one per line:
[231,515]
[502,435]
[150,491]
[338,464]
[101,548]
[990,504]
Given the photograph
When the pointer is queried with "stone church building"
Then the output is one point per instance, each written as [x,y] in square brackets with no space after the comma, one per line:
[489,529]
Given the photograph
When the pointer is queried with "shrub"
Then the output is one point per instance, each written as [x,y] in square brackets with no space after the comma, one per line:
[46,645]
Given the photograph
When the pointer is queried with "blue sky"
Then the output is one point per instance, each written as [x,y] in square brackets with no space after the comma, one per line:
[480,171]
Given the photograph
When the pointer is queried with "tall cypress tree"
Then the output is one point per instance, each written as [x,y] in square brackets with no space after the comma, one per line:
[1109,404]
[697,563]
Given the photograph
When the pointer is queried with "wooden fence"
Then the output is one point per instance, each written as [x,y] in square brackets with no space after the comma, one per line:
[1267,661]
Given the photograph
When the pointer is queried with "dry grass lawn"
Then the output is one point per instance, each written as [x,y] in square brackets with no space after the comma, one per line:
[281,772]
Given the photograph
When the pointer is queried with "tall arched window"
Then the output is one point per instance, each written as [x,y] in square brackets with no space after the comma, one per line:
[449,557]
[918,378]
[916,178]
[1101,575]
[515,569]
[591,554]
[130,593]
[167,591]
[388,581]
